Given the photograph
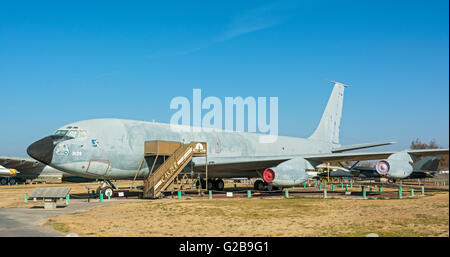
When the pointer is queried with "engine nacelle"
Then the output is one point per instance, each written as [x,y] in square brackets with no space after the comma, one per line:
[288,173]
[398,165]
[8,172]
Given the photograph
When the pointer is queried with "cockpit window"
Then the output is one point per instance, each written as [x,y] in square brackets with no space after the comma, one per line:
[71,133]
[61,132]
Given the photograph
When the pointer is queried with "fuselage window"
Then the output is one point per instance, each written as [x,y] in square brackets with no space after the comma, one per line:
[82,133]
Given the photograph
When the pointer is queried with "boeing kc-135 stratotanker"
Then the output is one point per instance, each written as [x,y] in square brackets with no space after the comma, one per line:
[110,149]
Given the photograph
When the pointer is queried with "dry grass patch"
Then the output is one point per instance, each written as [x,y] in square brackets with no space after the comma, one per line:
[13,196]
[425,216]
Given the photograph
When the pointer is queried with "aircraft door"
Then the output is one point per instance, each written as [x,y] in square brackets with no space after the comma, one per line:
[98,167]
[218,146]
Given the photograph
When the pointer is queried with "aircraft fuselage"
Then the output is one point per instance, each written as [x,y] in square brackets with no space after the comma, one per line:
[113,148]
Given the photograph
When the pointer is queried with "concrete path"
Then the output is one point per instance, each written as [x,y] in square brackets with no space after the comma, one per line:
[29,222]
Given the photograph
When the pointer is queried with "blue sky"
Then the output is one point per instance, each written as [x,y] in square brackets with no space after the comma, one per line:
[67,61]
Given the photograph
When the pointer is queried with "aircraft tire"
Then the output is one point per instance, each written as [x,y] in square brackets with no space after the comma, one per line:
[220,185]
[255,185]
[3,181]
[202,183]
[108,190]
[12,181]
[260,185]
[210,184]
[98,191]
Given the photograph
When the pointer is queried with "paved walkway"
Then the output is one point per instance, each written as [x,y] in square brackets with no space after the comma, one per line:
[29,222]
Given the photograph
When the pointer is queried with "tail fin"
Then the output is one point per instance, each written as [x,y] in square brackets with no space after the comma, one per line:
[328,129]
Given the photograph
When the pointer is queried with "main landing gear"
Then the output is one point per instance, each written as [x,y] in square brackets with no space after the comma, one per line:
[261,185]
[213,184]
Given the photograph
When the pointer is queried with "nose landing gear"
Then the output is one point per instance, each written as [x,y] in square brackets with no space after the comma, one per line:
[106,188]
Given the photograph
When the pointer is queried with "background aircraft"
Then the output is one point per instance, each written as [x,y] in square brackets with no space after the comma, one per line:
[18,169]
[6,174]
[112,149]
[426,167]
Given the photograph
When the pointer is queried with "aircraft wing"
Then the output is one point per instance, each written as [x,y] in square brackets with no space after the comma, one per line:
[371,156]
[341,149]
[232,166]
[18,162]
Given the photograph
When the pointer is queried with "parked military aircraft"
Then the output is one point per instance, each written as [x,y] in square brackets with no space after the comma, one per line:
[112,149]
[19,169]
[6,174]
[426,167]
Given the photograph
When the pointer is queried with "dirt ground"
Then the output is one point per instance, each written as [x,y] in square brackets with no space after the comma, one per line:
[418,216]
[423,216]
[13,196]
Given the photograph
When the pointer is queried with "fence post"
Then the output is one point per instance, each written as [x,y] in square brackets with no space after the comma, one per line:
[67,199]
[249,193]
[179,194]
[26,198]
[286,193]
[412,192]
[210,194]
[399,192]
[423,190]
[101,197]
[324,193]
[363,192]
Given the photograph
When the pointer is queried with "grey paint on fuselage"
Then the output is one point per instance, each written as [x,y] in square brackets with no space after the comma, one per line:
[116,146]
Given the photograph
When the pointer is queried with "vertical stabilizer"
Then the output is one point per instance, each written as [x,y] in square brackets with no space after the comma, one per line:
[328,129]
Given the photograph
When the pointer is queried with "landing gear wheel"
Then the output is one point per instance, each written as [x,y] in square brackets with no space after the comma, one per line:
[12,181]
[210,184]
[202,183]
[107,191]
[220,185]
[260,185]
[3,181]
[104,190]
[98,191]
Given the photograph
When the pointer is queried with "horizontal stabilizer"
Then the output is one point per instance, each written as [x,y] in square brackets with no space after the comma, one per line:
[359,146]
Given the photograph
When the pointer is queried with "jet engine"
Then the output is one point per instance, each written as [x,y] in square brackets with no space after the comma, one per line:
[288,173]
[398,165]
[8,172]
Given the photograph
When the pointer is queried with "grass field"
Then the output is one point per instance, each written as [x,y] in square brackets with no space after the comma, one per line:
[424,216]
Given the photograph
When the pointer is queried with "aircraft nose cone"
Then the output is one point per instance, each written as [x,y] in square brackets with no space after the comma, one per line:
[42,150]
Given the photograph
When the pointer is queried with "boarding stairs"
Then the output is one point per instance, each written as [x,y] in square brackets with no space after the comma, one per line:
[178,156]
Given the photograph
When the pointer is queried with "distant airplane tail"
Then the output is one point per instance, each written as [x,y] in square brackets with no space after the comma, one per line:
[328,129]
